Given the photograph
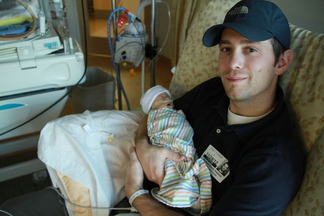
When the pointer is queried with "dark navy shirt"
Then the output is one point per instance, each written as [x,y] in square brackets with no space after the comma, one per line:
[265,157]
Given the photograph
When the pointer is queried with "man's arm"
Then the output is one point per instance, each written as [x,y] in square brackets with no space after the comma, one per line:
[144,203]
[152,157]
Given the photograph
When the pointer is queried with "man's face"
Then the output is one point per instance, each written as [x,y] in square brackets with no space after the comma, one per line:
[246,67]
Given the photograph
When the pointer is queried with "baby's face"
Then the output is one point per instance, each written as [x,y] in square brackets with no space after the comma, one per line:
[160,98]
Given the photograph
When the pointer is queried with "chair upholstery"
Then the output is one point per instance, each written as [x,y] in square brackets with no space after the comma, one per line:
[304,88]
[303,84]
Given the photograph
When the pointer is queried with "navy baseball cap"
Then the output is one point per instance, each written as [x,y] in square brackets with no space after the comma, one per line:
[257,20]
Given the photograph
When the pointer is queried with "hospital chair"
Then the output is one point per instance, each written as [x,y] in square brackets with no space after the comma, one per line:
[94,174]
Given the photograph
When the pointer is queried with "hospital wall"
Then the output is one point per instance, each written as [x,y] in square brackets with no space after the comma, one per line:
[304,13]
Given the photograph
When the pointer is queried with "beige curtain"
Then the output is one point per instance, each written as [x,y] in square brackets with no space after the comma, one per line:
[181,16]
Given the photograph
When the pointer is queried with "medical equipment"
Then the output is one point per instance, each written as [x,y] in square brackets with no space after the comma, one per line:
[130,48]
[37,70]
[131,45]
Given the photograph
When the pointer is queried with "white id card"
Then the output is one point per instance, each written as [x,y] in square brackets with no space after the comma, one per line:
[217,163]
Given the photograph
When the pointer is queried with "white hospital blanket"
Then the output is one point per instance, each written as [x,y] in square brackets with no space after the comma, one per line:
[92,149]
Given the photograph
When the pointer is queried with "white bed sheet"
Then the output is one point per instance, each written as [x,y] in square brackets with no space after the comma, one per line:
[92,149]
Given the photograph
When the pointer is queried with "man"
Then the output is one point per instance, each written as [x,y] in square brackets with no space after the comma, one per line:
[239,119]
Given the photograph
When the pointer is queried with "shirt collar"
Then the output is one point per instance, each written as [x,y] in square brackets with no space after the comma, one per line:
[247,131]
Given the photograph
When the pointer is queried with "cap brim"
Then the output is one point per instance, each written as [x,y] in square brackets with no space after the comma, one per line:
[254,33]
[212,35]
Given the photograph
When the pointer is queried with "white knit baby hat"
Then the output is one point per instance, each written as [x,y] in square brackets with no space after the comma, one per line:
[150,95]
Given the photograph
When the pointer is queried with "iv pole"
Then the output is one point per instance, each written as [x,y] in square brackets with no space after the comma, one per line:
[119,95]
[153,41]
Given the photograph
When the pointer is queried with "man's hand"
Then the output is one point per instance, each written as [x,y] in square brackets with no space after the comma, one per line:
[152,157]
[145,204]
[135,175]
